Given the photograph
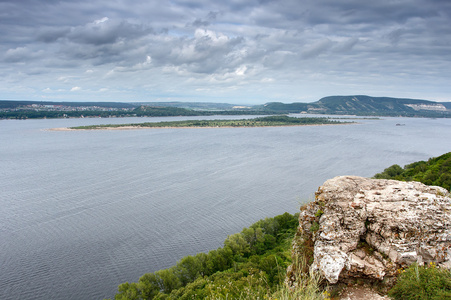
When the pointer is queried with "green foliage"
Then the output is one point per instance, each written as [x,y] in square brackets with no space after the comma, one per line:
[251,264]
[314,227]
[319,213]
[435,171]
[390,172]
[422,283]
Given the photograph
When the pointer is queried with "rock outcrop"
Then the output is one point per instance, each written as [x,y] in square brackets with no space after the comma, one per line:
[370,228]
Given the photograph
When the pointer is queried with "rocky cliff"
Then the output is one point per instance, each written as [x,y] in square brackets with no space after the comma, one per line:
[371,228]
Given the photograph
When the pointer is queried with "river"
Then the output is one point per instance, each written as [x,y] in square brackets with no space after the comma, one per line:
[83,211]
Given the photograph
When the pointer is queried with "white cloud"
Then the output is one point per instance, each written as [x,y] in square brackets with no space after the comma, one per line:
[241,70]
[103,20]
[75,89]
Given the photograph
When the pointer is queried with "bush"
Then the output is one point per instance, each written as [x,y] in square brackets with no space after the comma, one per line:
[421,283]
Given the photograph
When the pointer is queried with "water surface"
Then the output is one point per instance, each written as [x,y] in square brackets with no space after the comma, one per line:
[83,211]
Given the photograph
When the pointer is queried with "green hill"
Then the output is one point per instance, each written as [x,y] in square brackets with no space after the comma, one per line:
[368,106]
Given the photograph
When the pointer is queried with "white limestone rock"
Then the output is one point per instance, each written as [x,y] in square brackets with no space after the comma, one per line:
[368,228]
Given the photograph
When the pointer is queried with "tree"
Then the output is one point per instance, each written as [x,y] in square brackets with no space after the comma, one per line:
[149,286]
[188,269]
[128,291]
[167,280]
[237,244]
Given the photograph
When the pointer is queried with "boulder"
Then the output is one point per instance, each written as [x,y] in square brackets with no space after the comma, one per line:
[372,228]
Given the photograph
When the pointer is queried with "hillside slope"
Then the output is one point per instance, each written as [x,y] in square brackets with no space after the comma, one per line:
[367,105]
[435,171]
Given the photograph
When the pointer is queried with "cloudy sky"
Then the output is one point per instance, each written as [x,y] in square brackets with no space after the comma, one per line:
[235,51]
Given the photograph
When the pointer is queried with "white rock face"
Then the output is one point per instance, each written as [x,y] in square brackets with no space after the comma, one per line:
[369,228]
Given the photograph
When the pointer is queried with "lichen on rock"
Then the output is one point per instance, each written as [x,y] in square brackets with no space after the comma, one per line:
[370,228]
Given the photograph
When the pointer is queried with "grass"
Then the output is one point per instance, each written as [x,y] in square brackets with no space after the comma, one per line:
[305,287]
[422,283]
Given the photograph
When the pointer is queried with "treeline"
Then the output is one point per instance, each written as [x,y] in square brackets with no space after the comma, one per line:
[435,171]
[13,104]
[37,114]
[141,111]
[160,111]
[153,111]
[251,265]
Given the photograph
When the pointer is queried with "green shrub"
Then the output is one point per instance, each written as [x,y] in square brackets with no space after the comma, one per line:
[314,227]
[319,213]
[422,283]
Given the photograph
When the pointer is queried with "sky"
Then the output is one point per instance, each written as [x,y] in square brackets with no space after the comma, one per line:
[232,51]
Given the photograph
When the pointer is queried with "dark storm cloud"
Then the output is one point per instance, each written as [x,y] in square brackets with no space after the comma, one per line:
[194,44]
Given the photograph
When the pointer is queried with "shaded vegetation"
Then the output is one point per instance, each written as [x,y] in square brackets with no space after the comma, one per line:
[256,122]
[435,171]
[251,264]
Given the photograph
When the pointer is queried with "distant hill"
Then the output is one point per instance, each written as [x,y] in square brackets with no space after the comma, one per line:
[368,106]
[192,105]
[339,105]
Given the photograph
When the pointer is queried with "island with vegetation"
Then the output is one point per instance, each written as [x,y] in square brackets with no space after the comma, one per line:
[252,264]
[255,122]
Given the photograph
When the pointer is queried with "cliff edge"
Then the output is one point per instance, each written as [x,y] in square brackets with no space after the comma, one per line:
[360,228]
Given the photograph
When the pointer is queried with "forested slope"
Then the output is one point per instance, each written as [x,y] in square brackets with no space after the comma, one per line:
[435,171]
[251,264]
